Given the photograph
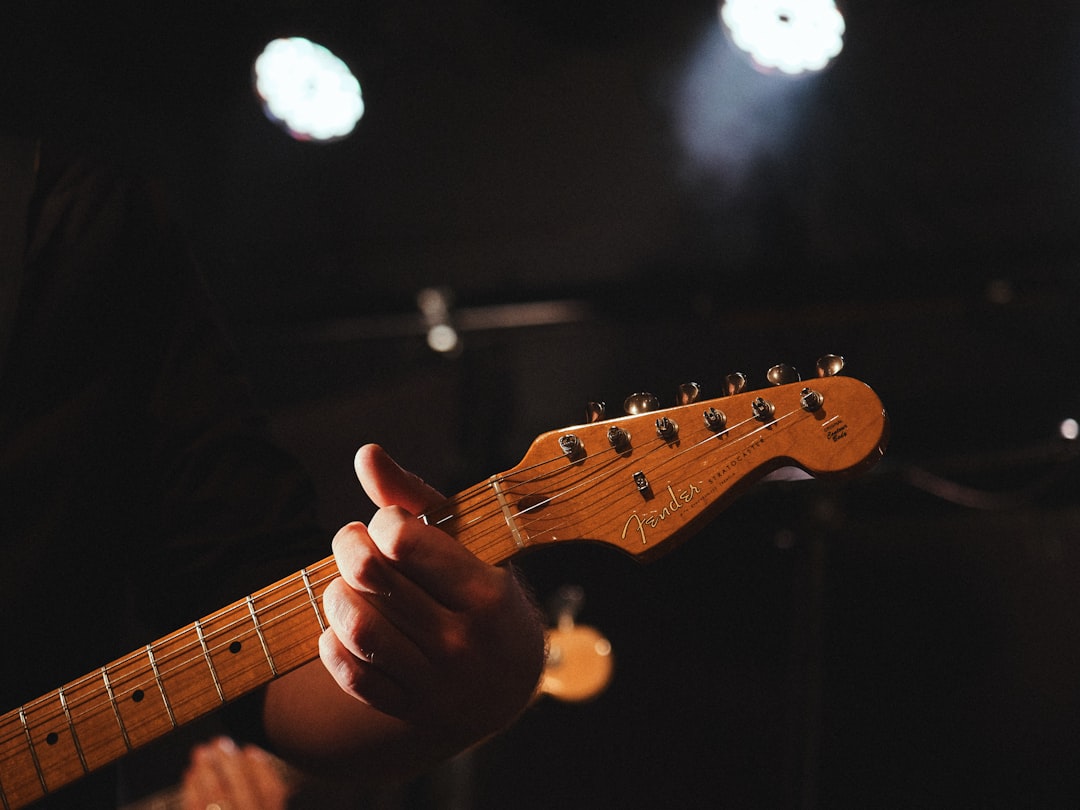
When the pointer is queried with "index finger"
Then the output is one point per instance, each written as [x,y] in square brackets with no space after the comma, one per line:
[434,560]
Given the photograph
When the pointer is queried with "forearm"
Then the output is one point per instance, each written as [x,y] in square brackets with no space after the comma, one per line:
[316,727]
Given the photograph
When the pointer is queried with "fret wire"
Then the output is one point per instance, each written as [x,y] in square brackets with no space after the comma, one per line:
[115,706]
[90,704]
[33,751]
[312,599]
[71,725]
[262,639]
[133,656]
[159,672]
[209,660]
[161,686]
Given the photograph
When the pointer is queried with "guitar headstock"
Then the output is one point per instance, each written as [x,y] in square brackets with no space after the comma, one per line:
[644,481]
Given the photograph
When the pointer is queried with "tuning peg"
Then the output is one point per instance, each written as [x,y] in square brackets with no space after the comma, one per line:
[595,411]
[640,403]
[688,393]
[735,383]
[829,365]
[782,374]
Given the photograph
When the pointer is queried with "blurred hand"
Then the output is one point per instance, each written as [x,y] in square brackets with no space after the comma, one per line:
[421,629]
[225,776]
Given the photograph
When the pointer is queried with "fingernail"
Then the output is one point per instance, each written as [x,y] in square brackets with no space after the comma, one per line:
[227,745]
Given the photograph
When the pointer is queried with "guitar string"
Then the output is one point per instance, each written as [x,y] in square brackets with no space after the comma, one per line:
[200,658]
[658,446]
[91,705]
[288,582]
[593,479]
[616,456]
[484,487]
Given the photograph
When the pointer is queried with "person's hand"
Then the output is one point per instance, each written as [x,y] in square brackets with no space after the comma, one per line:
[421,629]
[222,775]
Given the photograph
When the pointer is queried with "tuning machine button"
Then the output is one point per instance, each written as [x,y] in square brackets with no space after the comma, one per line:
[688,393]
[571,446]
[735,383]
[782,374]
[715,420]
[666,428]
[640,403]
[829,365]
[595,412]
[618,438]
[811,400]
[763,409]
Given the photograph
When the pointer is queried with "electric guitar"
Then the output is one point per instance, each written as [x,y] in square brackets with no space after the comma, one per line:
[641,482]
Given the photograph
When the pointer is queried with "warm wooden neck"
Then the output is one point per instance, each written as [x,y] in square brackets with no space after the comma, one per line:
[100,717]
[642,490]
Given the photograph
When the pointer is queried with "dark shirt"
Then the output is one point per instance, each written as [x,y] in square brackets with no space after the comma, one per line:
[139,489]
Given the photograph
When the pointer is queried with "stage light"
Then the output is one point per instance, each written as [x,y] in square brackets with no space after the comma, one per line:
[1070,429]
[435,304]
[307,90]
[790,36]
[443,338]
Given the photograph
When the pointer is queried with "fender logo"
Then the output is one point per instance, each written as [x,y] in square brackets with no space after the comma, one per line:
[637,524]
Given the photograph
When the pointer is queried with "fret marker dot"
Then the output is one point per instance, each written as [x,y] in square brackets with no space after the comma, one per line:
[234,648]
[138,695]
[53,738]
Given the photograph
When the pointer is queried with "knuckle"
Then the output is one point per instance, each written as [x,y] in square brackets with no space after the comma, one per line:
[348,613]
[358,563]
[395,532]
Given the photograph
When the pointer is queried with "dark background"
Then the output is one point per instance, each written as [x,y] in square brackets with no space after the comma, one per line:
[910,639]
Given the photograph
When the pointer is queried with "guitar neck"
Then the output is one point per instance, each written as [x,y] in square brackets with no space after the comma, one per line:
[100,717]
[132,701]
[639,483]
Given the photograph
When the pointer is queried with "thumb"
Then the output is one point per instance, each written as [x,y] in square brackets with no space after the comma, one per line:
[387,484]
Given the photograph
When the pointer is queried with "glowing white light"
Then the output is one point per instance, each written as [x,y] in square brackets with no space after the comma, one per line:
[792,36]
[1070,429]
[729,117]
[307,90]
[443,338]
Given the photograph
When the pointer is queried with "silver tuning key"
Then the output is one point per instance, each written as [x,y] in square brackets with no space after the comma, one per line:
[782,374]
[688,393]
[595,412]
[640,403]
[829,365]
[735,383]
